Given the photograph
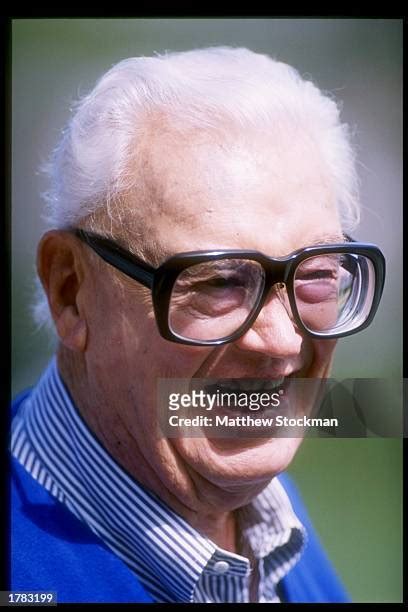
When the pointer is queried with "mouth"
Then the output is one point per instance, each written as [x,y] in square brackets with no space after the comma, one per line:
[241,396]
[247,387]
[240,407]
[250,385]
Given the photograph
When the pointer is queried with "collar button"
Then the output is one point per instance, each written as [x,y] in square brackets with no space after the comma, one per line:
[221,567]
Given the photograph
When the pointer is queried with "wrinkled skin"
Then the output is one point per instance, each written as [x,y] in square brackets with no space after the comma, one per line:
[200,194]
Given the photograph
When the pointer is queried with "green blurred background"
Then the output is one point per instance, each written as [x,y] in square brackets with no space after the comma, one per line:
[352,487]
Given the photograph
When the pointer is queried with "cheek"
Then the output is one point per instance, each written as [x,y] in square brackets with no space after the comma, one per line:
[128,333]
[116,322]
[123,340]
[171,360]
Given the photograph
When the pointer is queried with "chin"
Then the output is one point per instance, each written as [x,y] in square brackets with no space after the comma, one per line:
[235,463]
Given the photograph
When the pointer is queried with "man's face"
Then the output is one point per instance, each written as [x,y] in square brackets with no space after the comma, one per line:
[203,194]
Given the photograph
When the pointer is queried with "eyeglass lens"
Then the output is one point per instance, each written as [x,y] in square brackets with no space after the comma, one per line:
[334,292]
[212,300]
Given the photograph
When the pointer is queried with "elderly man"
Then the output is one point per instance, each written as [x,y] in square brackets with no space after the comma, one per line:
[199,211]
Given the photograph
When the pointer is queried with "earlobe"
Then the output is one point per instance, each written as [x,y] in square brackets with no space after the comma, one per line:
[60,269]
[72,329]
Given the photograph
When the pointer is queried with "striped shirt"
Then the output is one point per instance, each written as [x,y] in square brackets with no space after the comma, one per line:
[173,561]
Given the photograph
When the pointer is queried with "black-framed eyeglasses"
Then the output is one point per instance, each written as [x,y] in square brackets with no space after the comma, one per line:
[214,297]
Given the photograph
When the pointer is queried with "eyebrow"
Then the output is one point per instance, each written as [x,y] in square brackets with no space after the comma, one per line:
[328,239]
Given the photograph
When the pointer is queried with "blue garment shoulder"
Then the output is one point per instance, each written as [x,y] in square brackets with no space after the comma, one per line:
[52,550]
[313,579]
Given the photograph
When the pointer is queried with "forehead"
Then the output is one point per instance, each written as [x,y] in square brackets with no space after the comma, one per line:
[248,192]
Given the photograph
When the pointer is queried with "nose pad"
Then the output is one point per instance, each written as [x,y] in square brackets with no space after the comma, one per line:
[279,289]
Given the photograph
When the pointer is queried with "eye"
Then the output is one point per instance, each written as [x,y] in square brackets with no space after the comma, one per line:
[219,282]
[217,296]
[315,275]
[315,286]
[218,289]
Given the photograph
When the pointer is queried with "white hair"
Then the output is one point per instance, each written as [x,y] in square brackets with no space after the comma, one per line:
[205,89]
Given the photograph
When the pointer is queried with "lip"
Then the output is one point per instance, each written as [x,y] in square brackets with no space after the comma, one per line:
[249,384]
[276,375]
[261,375]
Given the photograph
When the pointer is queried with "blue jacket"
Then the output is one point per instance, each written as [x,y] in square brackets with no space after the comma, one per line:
[52,550]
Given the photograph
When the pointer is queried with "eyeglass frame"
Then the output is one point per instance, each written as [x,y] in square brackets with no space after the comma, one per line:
[161,280]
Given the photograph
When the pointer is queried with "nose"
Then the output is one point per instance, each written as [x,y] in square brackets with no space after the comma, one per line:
[273,333]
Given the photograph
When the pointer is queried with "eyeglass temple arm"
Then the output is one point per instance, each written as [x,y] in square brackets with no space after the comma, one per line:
[119,258]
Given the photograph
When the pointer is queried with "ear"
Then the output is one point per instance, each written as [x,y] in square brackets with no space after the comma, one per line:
[61,270]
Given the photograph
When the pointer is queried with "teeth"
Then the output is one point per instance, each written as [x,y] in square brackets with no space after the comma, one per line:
[277,382]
